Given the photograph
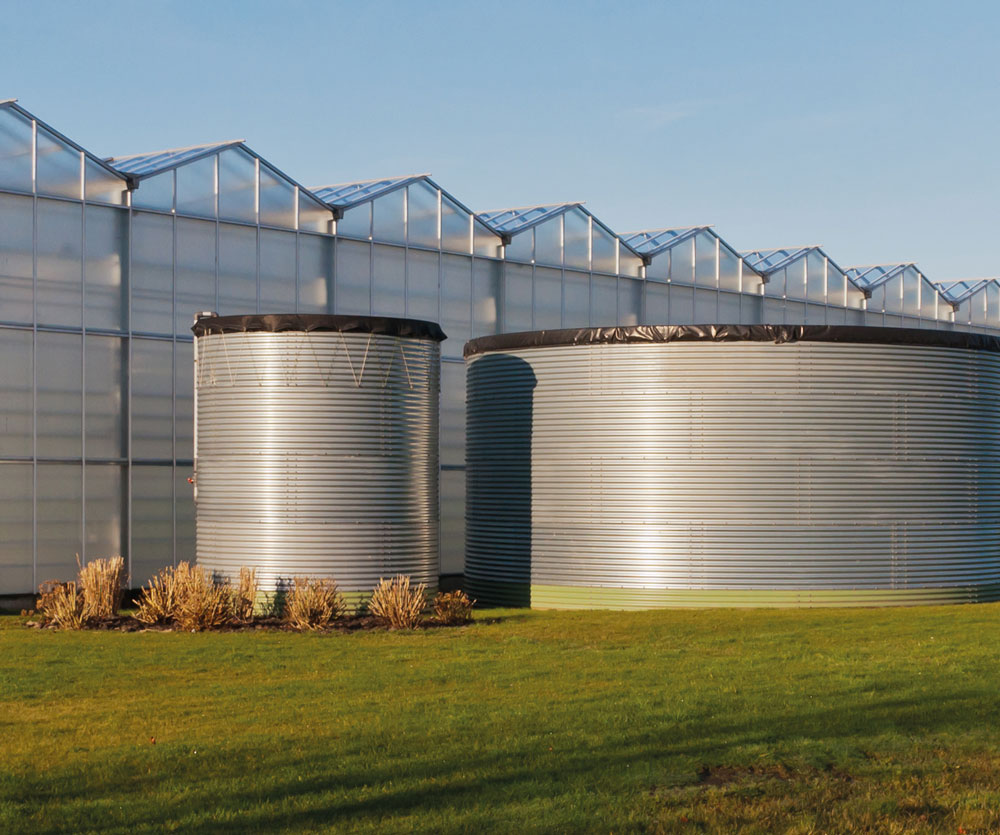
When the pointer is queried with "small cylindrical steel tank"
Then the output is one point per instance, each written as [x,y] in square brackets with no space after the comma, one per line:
[316,447]
[733,466]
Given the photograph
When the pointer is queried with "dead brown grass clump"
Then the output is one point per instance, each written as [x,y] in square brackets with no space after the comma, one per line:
[453,607]
[396,604]
[312,604]
[102,583]
[157,603]
[245,596]
[201,602]
[62,605]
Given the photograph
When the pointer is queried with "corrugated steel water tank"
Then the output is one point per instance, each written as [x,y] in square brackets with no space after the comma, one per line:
[316,447]
[733,466]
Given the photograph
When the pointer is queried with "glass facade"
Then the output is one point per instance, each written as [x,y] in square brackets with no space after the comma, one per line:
[102,268]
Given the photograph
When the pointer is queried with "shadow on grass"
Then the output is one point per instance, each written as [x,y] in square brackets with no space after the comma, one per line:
[521,771]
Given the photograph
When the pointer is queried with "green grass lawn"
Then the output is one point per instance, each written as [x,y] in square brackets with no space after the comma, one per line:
[798,721]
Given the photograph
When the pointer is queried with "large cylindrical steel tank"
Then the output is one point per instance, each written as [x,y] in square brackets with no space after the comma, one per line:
[733,466]
[316,447]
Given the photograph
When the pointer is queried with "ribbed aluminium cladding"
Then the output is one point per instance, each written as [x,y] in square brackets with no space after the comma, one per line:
[317,449]
[724,468]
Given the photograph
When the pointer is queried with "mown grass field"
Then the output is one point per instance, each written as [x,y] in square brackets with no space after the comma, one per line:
[684,721]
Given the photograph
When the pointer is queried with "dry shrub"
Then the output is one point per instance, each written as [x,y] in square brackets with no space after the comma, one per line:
[201,602]
[157,603]
[102,583]
[453,607]
[312,604]
[397,605]
[245,596]
[63,605]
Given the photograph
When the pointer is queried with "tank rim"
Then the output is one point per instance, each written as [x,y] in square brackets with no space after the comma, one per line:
[777,334]
[310,322]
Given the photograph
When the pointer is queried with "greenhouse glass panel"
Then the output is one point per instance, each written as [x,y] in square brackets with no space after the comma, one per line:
[775,284]
[184,400]
[876,301]
[152,399]
[706,306]
[452,414]
[354,279]
[795,279]
[15,393]
[17,234]
[105,396]
[548,242]
[629,301]
[196,187]
[277,271]
[422,279]
[836,288]
[706,261]
[59,380]
[422,215]
[456,302]
[894,295]
[106,291]
[751,309]
[152,521]
[183,515]
[657,303]
[389,281]
[456,227]
[452,531]
[815,278]
[659,267]
[101,186]
[105,511]
[928,300]
[16,524]
[277,200]
[388,218]
[155,193]
[356,222]
[315,274]
[195,272]
[910,279]
[794,312]
[59,285]
[314,216]
[577,239]
[729,308]
[682,263]
[237,270]
[485,243]
[547,299]
[58,167]
[603,301]
[629,264]
[729,269]
[16,146]
[237,186]
[517,297]
[486,296]
[815,314]
[522,247]
[605,251]
[836,315]
[152,273]
[576,300]
[60,520]
[682,305]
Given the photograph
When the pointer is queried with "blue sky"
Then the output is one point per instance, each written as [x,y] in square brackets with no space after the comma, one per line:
[868,128]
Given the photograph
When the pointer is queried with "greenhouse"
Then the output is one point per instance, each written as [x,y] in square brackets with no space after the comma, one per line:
[105,260]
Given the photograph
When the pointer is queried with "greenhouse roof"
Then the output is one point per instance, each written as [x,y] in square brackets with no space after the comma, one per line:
[12,104]
[869,277]
[154,162]
[769,260]
[347,195]
[513,221]
[652,242]
[958,291]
